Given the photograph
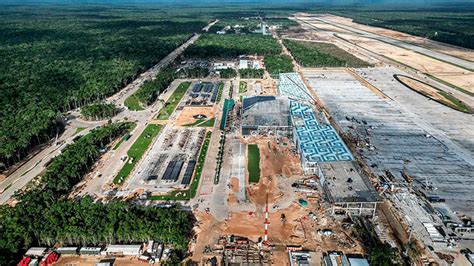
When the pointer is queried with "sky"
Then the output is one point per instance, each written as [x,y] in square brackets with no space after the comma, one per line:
[329,2]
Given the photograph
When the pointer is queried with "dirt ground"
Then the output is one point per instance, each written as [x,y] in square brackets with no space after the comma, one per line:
[186,115]
[92,260]
[444,71]
[455,75]
[427,90]
[289,222]
[268,87]
[436,46]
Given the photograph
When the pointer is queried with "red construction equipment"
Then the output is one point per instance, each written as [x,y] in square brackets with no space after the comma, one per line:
[25,261]
[50,259]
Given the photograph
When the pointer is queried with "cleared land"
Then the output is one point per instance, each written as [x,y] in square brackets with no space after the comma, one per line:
[137,150]
[312,54]
[454,75]
[406,126]
[253,163]
[173,101]
[440,66]
[433,93]
[186,116]
[419,41]
[453,26]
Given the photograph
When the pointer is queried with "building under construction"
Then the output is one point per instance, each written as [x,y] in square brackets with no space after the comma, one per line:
[265,115]
[236,250]
[315,139]
[348,191]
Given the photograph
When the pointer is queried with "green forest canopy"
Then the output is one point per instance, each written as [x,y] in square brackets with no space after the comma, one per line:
[54,59]
[98,111]
[43,217]
[232,45]
[318,54]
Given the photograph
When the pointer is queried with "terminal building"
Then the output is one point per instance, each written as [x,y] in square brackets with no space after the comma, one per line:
[316,140]
[323,152]
[265,115]
[347,190]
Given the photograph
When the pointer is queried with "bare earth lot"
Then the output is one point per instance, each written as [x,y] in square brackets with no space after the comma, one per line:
[443,62]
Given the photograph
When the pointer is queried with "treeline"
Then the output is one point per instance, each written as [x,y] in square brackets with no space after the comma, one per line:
[151,89]
[43,217]
[249,73]
[54,59]
[451,25]
[98,111]
[227,73]
[310,54]
[195,72]
[276,64]
[379,253]
[231,46]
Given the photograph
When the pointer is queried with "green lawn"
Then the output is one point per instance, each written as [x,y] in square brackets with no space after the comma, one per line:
[173,101]
[220,87]
[137,150]
[208,123]
[456,104]
[133,104]
[126,137]
[202,123]
[191,192]
[253,163]
[242,87]
[79,129]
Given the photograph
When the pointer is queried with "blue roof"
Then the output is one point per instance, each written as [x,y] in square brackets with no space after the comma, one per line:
[292,86]
[318,142]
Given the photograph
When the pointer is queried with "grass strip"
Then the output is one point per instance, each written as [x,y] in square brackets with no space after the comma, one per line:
[253,163]
[137,150]
[220,88]
[173,101]
[79,129]
[202,123]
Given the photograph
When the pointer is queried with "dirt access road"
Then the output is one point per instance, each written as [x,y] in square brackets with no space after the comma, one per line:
[436,65]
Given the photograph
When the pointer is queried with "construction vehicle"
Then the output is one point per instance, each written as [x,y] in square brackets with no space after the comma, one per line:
[50,259]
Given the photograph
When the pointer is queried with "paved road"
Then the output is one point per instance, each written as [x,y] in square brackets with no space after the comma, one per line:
[434,54]
[18,179]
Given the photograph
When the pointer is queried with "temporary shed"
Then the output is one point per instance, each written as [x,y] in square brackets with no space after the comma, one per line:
[90,251]
[67,250]
[123,250]
[36,251]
